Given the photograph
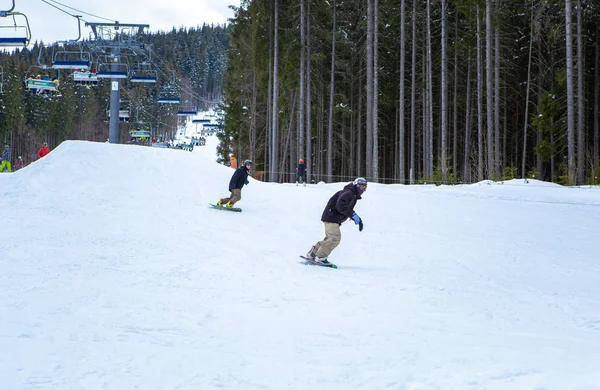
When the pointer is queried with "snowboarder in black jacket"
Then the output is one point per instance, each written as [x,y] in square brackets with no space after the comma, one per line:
[239,178]
[339,208]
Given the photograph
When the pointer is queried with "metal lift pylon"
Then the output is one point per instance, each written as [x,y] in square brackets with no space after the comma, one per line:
[115,39]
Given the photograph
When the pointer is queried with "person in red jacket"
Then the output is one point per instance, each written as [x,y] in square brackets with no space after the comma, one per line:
[44,150]
[19,164]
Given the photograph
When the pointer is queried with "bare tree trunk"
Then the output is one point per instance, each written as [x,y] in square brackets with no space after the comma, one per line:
[273,176]
[526,118]
[401,128]
[413,92]
[597,100]
[580,102]
[331,102]
[455,110]
[479,101]
[308,154]
[359,125]
[570,97]
[444,93]
[352,164]
[552,159]
[425,140]
[269,122]
[287,149]
[369,86]
[301,103]
[376,91]
[253,112]
[497,100]
[320,137]
[429,76]
[467,166]
[489,91]
[539,163]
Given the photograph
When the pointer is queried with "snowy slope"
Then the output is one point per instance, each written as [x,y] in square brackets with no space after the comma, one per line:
[116,275]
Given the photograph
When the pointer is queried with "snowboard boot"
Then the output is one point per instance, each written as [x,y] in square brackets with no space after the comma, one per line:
[220,203]
[311,253]
[322,260]
[229,205]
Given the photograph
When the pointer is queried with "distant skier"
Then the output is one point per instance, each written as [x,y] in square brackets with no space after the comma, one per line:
[44,150]
[339,208]
[6,160]
[239,178]
[300,173]
[19,164]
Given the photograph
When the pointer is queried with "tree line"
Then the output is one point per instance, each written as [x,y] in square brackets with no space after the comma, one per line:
[407,91]
[190,62]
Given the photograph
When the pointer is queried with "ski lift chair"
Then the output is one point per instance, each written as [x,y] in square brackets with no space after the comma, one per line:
[188,109]
[112,68]
[70,59]
[15,35]
[40,82]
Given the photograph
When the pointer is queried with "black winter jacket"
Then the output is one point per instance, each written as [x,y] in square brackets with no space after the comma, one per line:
[341,205]
[239,178]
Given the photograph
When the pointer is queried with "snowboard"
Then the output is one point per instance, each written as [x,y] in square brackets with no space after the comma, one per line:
[236,209]
[310,261]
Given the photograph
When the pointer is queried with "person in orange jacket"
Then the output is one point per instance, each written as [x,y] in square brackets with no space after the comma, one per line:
[44,150]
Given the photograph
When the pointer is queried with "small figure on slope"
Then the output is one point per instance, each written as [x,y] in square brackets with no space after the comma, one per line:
[339,208]
[44,150]
[6,160]
[239,178]
[19,164]
[300,173]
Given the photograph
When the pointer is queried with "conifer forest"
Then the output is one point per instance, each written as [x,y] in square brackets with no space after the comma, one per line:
[428,91]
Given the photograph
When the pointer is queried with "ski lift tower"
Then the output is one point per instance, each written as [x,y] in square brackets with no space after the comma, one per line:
[114,40]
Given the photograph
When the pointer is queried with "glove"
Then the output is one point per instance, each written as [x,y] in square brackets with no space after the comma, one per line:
[246,182]
[358,221]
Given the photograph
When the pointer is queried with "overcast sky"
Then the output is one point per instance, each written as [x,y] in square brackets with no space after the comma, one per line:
[49,24]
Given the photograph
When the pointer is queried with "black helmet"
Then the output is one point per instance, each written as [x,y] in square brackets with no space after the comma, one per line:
[248,162]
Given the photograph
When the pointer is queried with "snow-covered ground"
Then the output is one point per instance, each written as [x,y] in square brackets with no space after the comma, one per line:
[115,274]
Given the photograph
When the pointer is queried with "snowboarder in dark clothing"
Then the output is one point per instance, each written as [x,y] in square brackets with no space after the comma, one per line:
[300,173]
[339,208]
[239,178]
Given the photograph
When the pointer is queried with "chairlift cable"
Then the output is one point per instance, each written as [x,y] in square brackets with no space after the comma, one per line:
[189,91]
[75,9]
[140,106]
[58,8]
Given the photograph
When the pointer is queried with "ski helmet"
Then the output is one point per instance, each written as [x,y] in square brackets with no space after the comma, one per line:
[248,162]
[361,184]
[302,160]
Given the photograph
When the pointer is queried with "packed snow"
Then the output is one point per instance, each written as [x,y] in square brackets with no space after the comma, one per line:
[116,274]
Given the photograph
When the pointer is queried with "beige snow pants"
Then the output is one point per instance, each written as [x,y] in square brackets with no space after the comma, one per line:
[332,239]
